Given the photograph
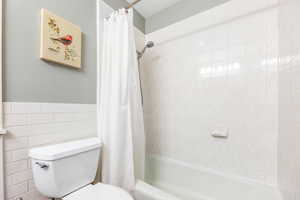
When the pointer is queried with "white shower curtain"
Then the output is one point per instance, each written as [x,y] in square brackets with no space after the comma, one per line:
[120,114]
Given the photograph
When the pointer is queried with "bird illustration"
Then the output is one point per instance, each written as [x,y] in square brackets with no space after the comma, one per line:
[65,40]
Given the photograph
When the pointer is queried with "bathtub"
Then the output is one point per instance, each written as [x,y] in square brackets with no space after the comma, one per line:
[144,191]
[172,179]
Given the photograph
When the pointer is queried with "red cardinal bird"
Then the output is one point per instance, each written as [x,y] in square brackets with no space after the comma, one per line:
[65,40]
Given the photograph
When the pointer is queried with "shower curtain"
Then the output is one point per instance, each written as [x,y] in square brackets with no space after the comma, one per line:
[120,114]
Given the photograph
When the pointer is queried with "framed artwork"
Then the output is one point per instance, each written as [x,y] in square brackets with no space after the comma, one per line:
[60,40]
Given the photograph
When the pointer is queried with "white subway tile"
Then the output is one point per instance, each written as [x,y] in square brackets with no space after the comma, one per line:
[17,189]
[17,166]
[39,118]
[15,120]
[38,196]
[19,131]
[79,117]
[38,124]
[31,185]
[63,117]
[19,177]
[58,108]
[29,163]
[49,107]
[25,107]
[39,129]
[85,116]
[8,157]
[65,108]
[15,143]
[41,140]
[25,196]
[12,156]
[7,107]
[88,108]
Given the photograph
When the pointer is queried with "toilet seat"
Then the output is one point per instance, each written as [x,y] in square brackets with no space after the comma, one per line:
[99,192]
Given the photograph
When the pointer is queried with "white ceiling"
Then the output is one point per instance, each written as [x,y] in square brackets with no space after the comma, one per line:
[148,8]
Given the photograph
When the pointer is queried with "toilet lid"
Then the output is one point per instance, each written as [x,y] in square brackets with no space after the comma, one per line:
[99,192]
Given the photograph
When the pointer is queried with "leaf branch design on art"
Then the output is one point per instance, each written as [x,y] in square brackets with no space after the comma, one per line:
[65,41]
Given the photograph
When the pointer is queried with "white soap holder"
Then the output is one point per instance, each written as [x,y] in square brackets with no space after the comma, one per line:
[222,134]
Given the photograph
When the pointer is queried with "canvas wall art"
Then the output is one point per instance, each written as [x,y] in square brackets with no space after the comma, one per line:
[60,40]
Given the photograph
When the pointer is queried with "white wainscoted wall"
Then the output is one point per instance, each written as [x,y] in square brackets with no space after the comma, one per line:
[215,71]
[35,124]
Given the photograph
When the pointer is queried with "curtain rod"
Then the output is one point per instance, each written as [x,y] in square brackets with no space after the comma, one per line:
[127,8]
[132,4]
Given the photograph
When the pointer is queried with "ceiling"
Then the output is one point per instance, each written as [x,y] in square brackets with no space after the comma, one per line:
[148,8]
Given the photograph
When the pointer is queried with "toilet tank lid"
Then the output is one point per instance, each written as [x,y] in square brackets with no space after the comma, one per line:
[59,151]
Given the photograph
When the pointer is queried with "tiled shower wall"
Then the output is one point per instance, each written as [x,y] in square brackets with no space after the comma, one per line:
[36,124]
[219,78]
[289,100]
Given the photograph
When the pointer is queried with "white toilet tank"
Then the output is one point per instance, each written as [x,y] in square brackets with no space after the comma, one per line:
[61,169]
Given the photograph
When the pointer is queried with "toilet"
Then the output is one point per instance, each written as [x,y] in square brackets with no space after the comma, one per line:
[66,171]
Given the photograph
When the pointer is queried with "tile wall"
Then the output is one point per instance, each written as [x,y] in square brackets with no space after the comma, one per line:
[221,77]
[289,100]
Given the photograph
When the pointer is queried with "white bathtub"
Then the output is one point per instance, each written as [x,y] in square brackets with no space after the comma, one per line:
[189,183]
[144,191]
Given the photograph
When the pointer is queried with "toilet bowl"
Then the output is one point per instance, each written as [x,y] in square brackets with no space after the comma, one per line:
[99,192]
[66,171]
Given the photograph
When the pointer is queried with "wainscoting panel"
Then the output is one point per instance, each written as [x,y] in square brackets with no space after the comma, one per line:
[37,124]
